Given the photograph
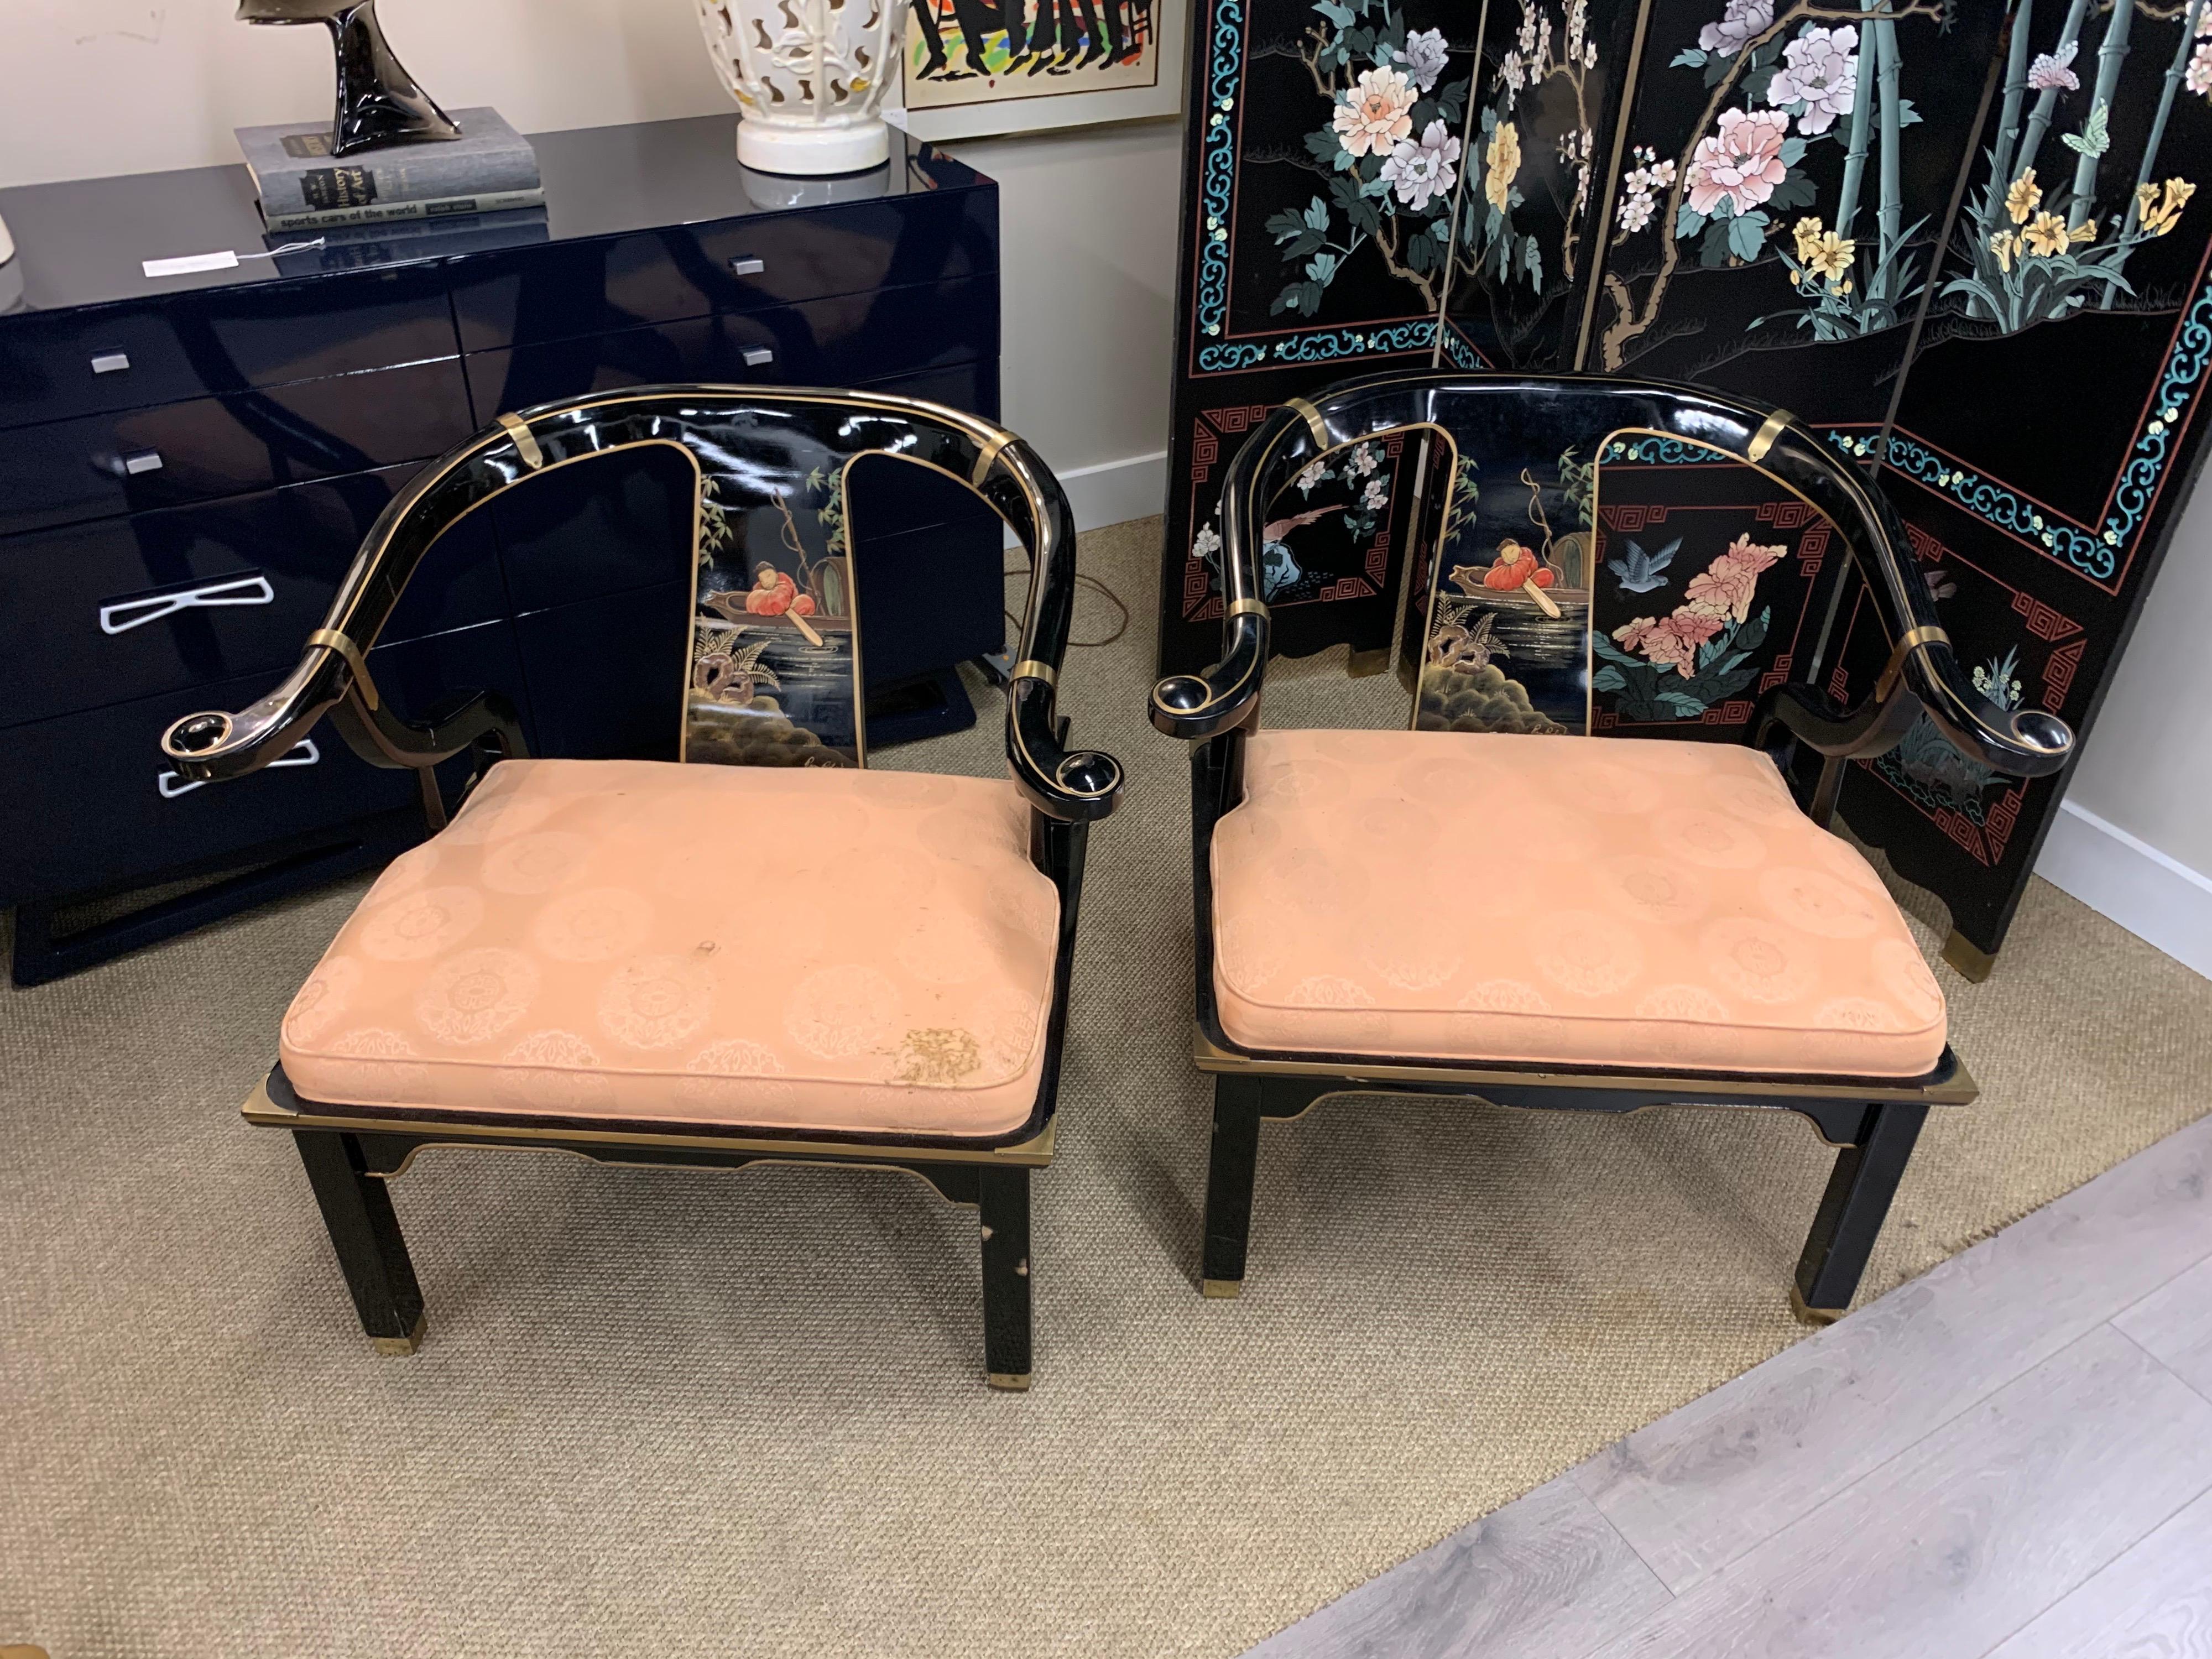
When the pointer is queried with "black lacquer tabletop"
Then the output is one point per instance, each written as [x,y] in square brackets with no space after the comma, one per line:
[81,242]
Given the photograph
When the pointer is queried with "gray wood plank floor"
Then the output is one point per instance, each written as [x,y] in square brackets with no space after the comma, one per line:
[2009,1456]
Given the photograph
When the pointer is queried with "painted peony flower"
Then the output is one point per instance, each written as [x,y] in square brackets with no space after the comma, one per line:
[1500,161]
[1419,171]
[2049,71]
[1373,116]
[1725,588]
[1424,56]
[1743,21]
[1669,641]
[1821,70]
[1741,162]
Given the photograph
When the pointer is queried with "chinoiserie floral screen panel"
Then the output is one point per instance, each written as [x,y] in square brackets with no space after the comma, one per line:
[2050,427]
[1965,226]
[1321,177]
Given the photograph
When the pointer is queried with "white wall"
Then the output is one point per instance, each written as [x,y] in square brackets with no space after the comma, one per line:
[1087,217]
[2134,834]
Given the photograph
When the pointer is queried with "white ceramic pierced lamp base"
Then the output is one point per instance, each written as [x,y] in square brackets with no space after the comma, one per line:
[767,147]
[809,76]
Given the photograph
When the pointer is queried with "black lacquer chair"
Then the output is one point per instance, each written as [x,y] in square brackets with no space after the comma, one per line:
[1500,904]
[783,957]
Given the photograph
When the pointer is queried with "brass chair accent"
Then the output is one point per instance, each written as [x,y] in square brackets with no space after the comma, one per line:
[1679,925]
[551,970]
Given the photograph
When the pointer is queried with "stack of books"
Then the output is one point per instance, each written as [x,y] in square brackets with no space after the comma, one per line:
[490,167]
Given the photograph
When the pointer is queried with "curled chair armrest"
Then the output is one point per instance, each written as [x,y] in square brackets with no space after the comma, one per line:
[1079,786]
[215,746]
[1922,672]
[2019,743]
[1224,697]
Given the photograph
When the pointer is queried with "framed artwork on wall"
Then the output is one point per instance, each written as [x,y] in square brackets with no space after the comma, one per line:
[975,69]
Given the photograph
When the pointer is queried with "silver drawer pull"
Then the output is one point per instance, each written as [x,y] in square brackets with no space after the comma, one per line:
[748,267]
[302,753]
[143,460]
[111,362]
[756,355]
[125,614]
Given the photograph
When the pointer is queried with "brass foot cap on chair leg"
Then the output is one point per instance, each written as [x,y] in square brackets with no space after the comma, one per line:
[1812,1315]
[402,1345]
[1221,1290]
[1012,1382]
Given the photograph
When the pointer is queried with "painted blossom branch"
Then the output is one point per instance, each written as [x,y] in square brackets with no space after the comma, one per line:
[1631,320]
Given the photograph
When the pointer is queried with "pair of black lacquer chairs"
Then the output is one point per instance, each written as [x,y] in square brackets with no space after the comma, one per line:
[884,978]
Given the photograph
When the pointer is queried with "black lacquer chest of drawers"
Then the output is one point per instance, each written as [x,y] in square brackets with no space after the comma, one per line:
[187,464]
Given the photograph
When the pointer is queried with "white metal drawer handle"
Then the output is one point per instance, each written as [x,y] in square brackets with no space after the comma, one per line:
[756,355]
[140,460]
[302,753]
[111,362]
[746,267]
[127,614]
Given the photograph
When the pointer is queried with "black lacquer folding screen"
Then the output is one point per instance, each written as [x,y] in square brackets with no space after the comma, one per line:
[1959,234]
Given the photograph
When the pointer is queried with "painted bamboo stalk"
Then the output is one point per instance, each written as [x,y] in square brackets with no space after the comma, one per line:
[1847,205]
[1891,218]
[2174,72]
[2110,54]
[2015,94]
[2046,101]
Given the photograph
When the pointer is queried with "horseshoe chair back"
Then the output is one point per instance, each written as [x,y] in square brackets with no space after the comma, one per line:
[771,679]
[1531,618]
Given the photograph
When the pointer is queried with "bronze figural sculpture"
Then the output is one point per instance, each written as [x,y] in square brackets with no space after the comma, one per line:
[379,104]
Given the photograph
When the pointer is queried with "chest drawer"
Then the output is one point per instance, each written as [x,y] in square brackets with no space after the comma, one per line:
[844,341]
[125,609]
[732,266]
[96,801]
[146,458]
[97,358]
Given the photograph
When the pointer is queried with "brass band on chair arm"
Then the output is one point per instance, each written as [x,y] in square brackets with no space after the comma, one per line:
[986,454]
[1763,440]
[1315,424]
[1926,634]
[330,640]
[1247,608]
[526,444]
[1030,669]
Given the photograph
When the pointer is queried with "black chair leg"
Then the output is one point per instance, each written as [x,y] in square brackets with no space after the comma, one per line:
[1229,1171]
[365,1233]
[1003,1205]
[1852,1210]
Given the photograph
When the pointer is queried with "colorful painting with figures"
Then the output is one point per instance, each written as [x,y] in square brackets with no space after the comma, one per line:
[774,670]
[1657,587]
[1509,629]
[973,51]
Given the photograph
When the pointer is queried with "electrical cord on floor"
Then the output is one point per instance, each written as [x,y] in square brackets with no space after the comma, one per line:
[1097,587]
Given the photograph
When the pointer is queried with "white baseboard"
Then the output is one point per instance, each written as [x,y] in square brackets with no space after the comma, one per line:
[2159,899]
[1114,492]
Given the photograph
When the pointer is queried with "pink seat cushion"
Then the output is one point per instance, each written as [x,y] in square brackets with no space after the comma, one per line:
[1567,901]
[791,949]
